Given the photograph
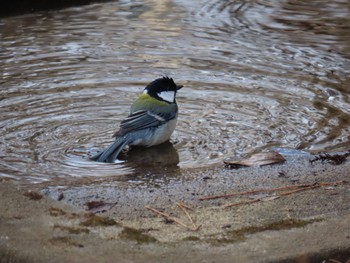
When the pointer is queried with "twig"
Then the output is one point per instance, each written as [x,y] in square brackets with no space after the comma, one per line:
[244,202]
[187,214]
[301,188]
[170,218]
[333,183]
[183,208]
[254,192]
[272,190]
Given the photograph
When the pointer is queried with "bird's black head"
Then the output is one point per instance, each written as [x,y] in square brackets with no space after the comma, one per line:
[163,89]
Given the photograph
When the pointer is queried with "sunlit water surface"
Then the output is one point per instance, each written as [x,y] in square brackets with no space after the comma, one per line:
[257,74]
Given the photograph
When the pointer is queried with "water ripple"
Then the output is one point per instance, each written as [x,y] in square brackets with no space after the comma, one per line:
[257,74]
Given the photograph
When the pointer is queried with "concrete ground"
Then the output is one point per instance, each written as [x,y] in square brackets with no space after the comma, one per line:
[306,220]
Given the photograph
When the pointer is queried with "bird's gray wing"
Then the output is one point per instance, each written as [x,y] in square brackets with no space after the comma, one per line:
[143,119]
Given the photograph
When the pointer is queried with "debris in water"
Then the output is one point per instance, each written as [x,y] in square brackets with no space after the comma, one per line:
[334,159]
[258,159]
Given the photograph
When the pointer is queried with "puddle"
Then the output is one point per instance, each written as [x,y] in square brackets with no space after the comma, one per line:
[256,75]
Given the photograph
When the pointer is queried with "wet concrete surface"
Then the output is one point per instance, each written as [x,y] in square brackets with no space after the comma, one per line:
[48,223]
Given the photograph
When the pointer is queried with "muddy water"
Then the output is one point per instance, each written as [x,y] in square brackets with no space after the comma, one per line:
[256,73]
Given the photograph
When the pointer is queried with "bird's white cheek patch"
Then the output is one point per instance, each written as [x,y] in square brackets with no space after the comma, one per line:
[168,96]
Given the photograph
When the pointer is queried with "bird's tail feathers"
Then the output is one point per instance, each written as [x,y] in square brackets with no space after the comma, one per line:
[110,154]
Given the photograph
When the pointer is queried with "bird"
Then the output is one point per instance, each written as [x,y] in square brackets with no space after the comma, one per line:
[151,121]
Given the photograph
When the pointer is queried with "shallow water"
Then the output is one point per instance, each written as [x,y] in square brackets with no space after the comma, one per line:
[257,74]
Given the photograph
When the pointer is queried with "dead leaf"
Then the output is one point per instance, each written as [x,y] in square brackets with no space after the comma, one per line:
[33,195]
[99,206]
[258,159]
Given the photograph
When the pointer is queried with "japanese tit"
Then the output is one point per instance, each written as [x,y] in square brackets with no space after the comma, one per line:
[151,121]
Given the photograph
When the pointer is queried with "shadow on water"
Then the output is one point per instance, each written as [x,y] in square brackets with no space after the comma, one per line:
[17,7]
[257,74]
[163,155]
[157,163]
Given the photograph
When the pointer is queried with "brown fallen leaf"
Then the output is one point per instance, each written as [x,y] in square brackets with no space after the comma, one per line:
[33,195]
[258,159]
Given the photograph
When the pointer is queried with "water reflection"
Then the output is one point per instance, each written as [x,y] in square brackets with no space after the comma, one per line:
[303,20]
[154,164]
[160,156]
[257,74]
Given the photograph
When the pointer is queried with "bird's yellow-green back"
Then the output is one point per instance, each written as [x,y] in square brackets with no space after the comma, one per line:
[147,102]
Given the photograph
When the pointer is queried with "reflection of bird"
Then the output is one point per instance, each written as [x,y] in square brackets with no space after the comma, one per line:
[152,119]
[162,155]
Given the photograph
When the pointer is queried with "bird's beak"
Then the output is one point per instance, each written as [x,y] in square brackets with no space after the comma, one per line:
[178,87]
